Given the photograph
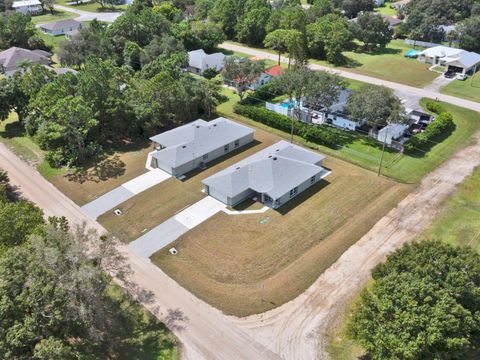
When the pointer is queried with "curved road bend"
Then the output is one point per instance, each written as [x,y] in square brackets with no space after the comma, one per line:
[364,78]
[88,15]
[207,334]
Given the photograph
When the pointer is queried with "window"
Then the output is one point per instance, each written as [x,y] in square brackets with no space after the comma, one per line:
[225,148]
[312,179]
[237,143]
[205,157]
[293,192]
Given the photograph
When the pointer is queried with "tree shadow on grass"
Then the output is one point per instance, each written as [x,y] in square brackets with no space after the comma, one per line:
[104,170]
[13,130]
[420,153]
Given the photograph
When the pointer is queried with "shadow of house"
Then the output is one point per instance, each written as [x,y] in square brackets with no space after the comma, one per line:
[302,197]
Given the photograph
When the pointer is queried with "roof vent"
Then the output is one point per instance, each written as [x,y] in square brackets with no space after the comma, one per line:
[237,168]
[198,126]
[214,124]
[275,158]
[269,156]
[277,150]
[184,146]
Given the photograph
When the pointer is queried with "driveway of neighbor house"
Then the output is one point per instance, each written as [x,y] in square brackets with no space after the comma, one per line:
[124,192]
[176,226]
[89,16]
[439,83]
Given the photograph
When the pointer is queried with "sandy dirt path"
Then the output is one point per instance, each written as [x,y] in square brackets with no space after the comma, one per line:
[299,329]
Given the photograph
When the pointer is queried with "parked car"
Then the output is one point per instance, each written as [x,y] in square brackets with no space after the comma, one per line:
[462,77]
[450,74]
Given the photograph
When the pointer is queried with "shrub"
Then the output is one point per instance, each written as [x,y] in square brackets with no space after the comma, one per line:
[263,93]
[314,133]
[441,125]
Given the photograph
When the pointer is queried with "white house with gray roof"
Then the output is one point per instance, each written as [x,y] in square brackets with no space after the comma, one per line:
[193,145]
[274,175]
[28,7]
[61,27]
[199,61]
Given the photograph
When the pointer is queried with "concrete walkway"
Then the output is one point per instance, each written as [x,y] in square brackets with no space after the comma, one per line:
[88,15]
[124,192]
[170,230]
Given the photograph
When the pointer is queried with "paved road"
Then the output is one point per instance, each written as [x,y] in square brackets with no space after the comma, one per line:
[89,16]
[205,333]
[368,79]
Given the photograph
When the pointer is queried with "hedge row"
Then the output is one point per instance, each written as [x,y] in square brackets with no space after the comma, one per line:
[263,93]
[317,134]
[442,124]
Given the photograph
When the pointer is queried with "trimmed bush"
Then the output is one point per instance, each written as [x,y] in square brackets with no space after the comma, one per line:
[442,124]
[263,93]
[314,133]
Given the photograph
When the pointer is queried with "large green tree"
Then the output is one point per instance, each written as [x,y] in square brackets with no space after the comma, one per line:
[251,27]
[469,31]
[15,30]
[277,40]
[424,303]
[328,37]
[372,30]
[377,105]
[241,73]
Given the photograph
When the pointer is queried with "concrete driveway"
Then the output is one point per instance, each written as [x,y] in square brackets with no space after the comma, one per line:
[124,192]
[89,16]
[170,230]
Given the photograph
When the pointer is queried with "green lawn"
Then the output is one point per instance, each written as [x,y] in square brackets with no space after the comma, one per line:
[366,152]
[56,16]
[386,9]
[468,89]
[459,221]
[50,40]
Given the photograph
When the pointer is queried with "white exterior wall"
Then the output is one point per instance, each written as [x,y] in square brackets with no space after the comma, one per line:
[344,123]
[60,31]
[30,9]
[262,80]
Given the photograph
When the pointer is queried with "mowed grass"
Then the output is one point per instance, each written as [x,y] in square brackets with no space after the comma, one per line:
[459,220]
[155,205]
[53,41]
[92,6]
[386,9]
[56,16]
[468,89]
[366,152]
[247,264]
[119,166]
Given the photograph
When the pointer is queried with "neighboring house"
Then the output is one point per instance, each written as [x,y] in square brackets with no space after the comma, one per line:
[266,76]
[391,132]
[379,3]
[193,145]
[61,27]
[392,20]
[400,4]
[28,7]
[457,60]
[199,61]
[274,175]
[12,58]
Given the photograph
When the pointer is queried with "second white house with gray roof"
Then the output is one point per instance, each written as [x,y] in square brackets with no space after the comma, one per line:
[193,145]
[275,175]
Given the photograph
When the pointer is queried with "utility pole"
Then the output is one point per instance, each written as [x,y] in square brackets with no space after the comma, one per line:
[383,152]
[292,116]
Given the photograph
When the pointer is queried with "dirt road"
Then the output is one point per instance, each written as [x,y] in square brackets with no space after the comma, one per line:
[204,331]
[297,330]
[367,79]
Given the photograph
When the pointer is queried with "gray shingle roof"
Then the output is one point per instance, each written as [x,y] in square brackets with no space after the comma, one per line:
[273,171]
[62,24]
[193,140]
[12,56]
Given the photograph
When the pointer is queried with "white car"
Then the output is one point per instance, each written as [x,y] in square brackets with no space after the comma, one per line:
[462,77]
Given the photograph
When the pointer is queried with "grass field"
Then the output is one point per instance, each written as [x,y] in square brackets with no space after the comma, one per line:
[246,264]
[157,204]
[366,152]
[468,89]
[388,64]
[52,41]
[56,16]
[386,9]
[459,221]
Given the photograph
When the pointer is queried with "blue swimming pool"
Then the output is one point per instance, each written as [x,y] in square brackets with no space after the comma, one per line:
[412,53]
[286,104]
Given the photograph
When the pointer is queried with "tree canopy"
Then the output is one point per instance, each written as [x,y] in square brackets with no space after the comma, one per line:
[423,304]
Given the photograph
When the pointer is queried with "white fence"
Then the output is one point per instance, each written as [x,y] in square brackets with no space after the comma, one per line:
[277,108]
[421,43]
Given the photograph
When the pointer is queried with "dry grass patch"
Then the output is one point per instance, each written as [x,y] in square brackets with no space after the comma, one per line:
[83,186]
[155,205]
[246,264]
